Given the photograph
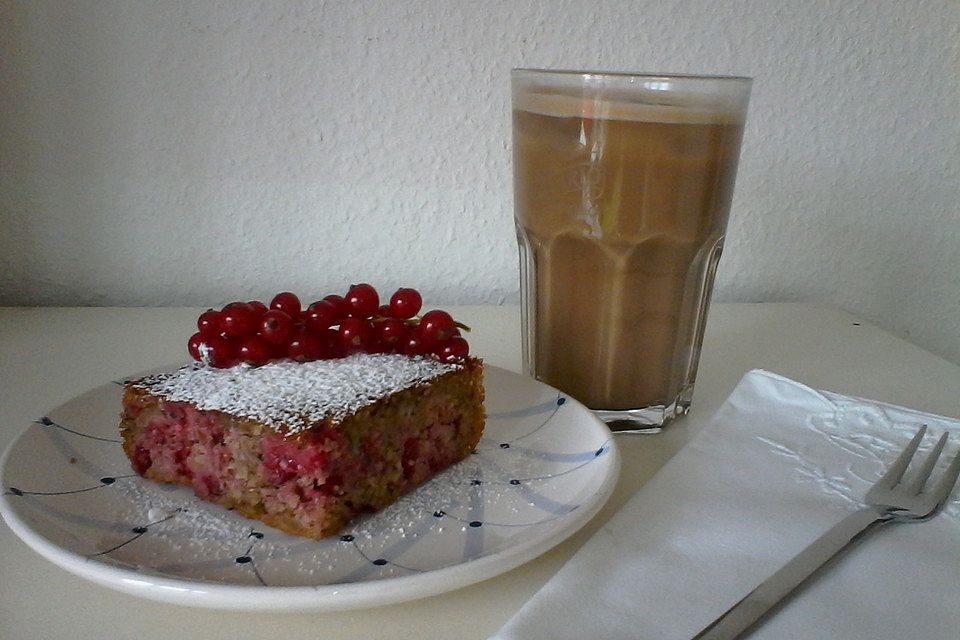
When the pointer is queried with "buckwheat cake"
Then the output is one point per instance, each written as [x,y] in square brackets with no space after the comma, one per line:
[305,446]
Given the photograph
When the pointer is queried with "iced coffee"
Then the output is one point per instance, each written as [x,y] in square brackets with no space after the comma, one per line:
[622,189]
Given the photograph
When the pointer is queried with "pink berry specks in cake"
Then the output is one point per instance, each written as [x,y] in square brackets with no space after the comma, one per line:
[305,446]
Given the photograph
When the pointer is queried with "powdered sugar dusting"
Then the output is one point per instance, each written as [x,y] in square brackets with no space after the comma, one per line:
[291,396]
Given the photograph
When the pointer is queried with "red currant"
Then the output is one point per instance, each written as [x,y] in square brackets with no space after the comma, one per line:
[363,300]
[287,302]
[209,323]
[343,309]
[320,315]
[436,327]
[305,347]
[384,311]
[355,334]
[405,303]
[454,350]
[276,327]
[414,345]
[258,307]
[376,345]
[254,350]
[332,347]
[238,320]
[218,352]
[391,333]
[193,346]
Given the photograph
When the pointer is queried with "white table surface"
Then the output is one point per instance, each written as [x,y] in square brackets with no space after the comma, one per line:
[49,355]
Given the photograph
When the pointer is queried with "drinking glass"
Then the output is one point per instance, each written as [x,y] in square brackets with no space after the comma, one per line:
[622,190]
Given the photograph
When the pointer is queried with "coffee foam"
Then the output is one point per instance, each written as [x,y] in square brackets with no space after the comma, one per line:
[642,106]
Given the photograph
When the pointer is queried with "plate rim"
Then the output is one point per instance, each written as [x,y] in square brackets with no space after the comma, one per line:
[331,597]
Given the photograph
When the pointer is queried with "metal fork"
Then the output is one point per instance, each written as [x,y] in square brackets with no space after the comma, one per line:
[889,500]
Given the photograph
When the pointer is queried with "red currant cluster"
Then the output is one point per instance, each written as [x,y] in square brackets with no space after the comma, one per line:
[334,327]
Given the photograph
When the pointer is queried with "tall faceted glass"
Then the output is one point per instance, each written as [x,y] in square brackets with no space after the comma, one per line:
[622,191]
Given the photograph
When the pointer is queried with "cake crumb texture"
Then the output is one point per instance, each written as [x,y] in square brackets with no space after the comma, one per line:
[298,447]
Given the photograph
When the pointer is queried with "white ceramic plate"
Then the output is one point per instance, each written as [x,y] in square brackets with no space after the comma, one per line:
[544,467]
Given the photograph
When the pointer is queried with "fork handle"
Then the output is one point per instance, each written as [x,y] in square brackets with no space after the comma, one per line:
[774,589]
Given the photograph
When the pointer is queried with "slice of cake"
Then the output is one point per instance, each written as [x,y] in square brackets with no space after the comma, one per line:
[304,447]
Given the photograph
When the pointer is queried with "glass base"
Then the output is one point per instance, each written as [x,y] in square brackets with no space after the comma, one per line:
[650,419]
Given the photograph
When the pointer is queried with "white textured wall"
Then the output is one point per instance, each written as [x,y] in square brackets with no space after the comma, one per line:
[161,153]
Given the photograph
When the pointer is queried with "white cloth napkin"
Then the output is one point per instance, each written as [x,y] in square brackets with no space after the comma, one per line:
[778,465]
